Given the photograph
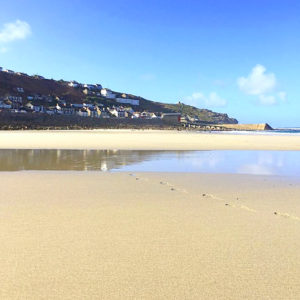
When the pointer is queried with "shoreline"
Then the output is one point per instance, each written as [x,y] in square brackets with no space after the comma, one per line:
[144,140]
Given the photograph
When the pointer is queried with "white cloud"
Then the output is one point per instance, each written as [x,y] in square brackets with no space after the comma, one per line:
[282,96]
[258,81]
[267,100]
[18,30]
[261,84]
[199,99]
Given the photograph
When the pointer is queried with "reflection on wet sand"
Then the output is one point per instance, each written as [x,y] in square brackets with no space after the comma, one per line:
[238,162]
[79,160]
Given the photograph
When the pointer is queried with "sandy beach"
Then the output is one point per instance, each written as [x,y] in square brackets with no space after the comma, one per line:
[144,140]
[68,235]
[101,235]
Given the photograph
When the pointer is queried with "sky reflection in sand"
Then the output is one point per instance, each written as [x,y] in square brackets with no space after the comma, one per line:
[238,162]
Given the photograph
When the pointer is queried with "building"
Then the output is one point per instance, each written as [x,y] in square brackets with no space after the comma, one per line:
[38,77]
[29,106]
[119,113]
[8,71]
[5,104]
[68,110]
[14,99]
[90,86]
[89,105]
[87,91]
[172,118]
[38,108]
[108,94]
[83,112]
[128,101]
[22,74]
[73,84]
[77,105]
[20,90]
[95,112]
[136,115]
[153,116]
[145,115]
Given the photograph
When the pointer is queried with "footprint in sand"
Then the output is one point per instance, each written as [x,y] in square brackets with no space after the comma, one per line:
[241,207]
[286,215]
[229,204]
[173,188]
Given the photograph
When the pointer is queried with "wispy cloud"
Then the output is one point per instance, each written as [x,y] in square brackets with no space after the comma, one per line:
[18,30]
[262,84]
[199,99]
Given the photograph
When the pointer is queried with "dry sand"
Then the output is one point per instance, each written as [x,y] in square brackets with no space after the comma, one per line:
[143,140]
[148,236]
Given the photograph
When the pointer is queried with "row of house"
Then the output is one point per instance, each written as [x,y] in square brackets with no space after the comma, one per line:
[83,110]
[90,89]
[20,73]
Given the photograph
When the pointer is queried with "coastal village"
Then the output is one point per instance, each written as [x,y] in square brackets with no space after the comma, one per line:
[96,102]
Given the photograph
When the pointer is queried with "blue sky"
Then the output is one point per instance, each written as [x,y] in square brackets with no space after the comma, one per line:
[238,57]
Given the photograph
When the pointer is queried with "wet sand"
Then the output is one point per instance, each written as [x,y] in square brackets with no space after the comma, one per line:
[68,235]
[144,140]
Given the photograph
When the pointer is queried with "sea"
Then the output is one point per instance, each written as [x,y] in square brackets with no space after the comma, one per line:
[276,131]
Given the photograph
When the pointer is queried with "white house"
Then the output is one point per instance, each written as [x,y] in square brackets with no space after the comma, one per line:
[136,115]
[22,74]
[90,86]
[73,84]
[29,105]
[8,71]
[128,101]
[118,113]
[108,94]
[20,90]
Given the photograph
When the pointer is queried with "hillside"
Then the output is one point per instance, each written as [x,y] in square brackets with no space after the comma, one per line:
[203,115]
[10,83]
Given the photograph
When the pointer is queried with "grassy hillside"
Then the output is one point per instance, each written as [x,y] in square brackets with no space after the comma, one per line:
[204,115]
[49,87]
